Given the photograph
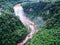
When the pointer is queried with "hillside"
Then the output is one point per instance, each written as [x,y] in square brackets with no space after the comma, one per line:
[45,14]
[46,37]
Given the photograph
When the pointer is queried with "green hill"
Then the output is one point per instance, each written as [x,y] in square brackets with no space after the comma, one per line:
[46,37]
[12,30]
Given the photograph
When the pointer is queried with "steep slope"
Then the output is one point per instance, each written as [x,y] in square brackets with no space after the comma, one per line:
[46,37]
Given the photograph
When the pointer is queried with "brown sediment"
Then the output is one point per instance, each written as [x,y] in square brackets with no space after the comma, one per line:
[18,5]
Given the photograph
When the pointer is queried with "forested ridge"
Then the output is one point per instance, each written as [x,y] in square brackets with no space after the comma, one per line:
[13,31]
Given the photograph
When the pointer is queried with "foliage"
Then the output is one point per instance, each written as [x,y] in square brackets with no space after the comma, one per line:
[46,37]
[53,18]
[11,29]
[50,12]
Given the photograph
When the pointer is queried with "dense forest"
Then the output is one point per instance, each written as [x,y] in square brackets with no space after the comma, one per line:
[13,31]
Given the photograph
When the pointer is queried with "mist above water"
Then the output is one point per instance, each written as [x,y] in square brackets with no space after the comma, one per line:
[39,22]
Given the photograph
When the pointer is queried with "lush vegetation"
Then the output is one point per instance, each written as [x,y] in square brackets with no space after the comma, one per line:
[46,37]
[12,30]
[49,11]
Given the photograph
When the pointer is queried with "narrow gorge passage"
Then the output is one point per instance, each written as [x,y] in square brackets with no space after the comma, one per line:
[18,9]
